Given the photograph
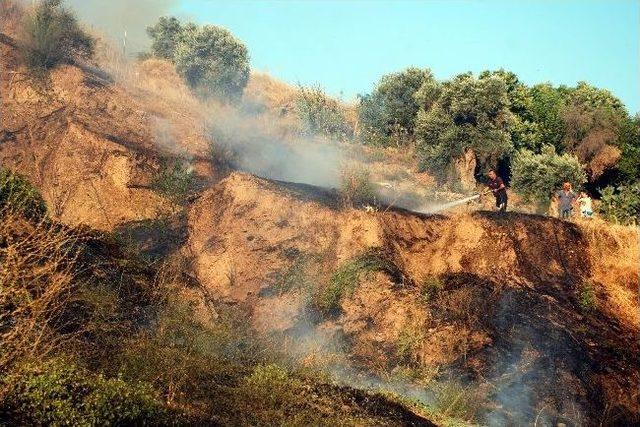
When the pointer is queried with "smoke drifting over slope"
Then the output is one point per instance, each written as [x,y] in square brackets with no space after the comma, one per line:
[255,144]
[117,16]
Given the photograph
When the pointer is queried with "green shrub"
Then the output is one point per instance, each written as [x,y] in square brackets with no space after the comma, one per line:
[210,59]
[292,278]
[345,280]
[270,386]
[175,180]
[621,205]
[213,62]
[587,297]
[16,193]
[59,392]
[322,115]
[537,176]
[53,35]
[356,187]
[430,288]
[387,115]
[457,401]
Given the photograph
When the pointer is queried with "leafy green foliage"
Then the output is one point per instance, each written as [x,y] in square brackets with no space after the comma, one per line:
[59,392]
[174,180]
[629,144]
[213,62]
[468,113]
[547,103]
[165,36]
[622,204]
[387,115]
[322,115]
[537,176]
[523,129]
[345,279]
[53,35]
[17,193]
[210,59]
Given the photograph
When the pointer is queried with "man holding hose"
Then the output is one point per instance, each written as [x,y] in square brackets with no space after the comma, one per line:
[496,185]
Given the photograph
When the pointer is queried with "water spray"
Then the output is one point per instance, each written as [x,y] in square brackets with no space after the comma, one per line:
[449,205]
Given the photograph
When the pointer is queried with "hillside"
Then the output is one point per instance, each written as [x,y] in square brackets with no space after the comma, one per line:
[472,317]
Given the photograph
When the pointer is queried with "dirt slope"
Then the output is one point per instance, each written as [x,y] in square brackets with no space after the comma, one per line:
[507,313]
[89,145]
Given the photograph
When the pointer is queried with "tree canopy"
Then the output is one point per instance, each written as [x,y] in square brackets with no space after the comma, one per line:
[210,59]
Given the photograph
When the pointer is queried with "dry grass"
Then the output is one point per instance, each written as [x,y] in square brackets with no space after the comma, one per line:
[614,252]
[36,284]
[272,93]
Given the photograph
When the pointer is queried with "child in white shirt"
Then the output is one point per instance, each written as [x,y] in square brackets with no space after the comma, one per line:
[585,205]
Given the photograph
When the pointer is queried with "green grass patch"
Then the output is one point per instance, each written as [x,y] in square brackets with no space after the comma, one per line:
[587,298]
[59,392]
[430,288]
[16,193]
[345,279]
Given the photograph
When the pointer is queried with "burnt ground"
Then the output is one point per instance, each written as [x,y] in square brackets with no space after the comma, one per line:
[546,359]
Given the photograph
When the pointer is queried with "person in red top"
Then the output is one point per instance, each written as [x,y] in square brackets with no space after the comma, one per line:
[496,185]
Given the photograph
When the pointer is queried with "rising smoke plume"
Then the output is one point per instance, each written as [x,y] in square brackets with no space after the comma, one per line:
[115,17]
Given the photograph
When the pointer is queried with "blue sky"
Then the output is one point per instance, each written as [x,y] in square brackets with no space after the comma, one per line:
[345,46]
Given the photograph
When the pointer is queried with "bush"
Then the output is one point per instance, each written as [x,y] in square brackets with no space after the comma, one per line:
[213,62]
[409,340]
[174,180]
[210,59]
[621,205]
[16,193]
[387,115]
[356,187]
[53,35]
[322,115]
[59,392]
[537,176]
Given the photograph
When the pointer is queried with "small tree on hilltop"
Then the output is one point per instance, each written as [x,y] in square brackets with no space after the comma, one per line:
[165,36]
[388,113]
[213,62]
[536,176]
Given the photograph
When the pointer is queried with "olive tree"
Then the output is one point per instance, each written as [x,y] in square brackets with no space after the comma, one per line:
[463,113]
[211,59]
[388,114]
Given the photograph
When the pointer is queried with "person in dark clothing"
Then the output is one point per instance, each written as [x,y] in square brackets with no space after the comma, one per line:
[565,197]
[496,185]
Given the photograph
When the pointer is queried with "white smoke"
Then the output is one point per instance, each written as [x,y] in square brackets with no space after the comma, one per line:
[115,18]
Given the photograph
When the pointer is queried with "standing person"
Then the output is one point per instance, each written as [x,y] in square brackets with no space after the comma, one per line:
[565,197]
[496,185]
[586,211]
